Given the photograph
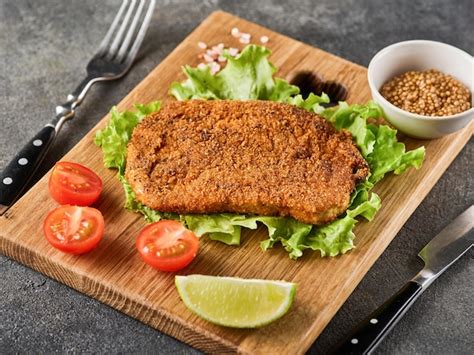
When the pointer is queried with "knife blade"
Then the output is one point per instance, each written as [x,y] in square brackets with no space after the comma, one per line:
[447,247]
[440,253]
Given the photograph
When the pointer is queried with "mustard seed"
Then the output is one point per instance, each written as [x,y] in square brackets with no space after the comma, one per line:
[429,93]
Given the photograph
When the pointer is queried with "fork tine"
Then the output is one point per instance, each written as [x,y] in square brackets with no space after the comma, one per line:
[105,42]
[141,33]
[118,37]
[131,32]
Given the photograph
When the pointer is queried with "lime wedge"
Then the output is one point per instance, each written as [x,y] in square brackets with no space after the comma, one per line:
[235,302]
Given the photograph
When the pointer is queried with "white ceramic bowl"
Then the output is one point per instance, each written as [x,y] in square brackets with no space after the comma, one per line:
[419,55]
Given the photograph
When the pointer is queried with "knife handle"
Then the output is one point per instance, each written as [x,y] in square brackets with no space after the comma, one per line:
[14,178]
[370,332]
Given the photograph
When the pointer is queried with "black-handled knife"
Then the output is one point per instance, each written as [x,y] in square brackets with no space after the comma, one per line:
[440,253]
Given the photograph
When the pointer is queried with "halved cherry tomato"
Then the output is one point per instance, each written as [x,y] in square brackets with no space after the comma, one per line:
[167,245]
[74,229]
[74,184]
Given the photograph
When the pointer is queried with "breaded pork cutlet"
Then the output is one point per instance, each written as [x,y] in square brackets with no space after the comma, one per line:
[251,157]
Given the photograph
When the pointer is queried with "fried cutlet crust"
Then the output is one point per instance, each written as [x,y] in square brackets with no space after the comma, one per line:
[251,157]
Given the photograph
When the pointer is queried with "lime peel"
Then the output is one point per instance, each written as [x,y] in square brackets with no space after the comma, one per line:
[236,302]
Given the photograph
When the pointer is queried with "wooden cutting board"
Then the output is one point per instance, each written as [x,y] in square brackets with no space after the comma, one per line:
[114,273]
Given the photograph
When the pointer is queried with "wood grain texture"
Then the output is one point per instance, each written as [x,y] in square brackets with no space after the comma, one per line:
[115,275]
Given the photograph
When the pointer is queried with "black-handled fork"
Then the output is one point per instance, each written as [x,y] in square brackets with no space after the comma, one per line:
[113,59]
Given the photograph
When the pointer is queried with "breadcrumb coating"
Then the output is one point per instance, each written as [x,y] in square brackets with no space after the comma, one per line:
[250,157]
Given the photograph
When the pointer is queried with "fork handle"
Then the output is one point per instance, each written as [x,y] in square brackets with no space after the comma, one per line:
[15,177]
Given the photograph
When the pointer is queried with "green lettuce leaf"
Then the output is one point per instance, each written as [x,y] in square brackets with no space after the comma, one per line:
[331,239]
[337,237]
[250,76]
[377,143]
[247,77]
[390,155]
[354,119]
[225,227]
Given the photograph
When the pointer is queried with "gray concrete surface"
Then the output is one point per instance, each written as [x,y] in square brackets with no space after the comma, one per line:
[44,46]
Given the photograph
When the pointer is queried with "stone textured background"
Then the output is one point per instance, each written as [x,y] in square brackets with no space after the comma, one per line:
[44,46]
